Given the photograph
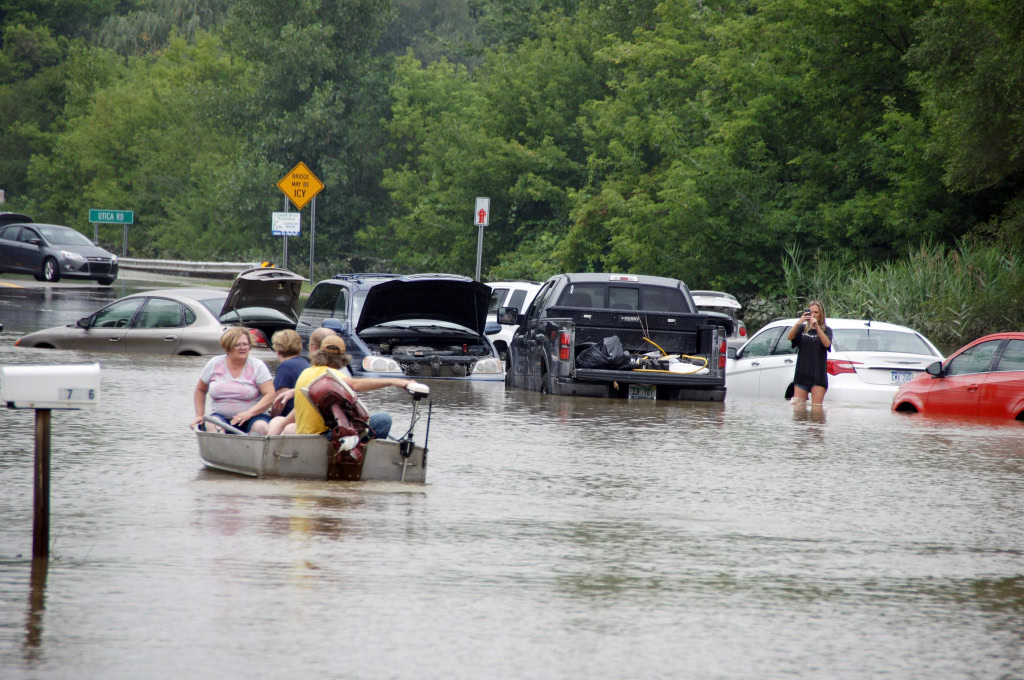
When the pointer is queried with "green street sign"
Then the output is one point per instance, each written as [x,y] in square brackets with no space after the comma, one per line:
[112,216]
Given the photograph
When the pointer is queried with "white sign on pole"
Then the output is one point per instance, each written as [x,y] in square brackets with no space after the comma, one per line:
[482,212]
[285,224]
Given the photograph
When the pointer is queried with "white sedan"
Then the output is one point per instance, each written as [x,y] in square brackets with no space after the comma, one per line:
[868,362]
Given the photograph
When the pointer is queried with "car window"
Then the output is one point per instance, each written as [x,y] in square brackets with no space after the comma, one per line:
[117,314]
[977,359]
[761,344]
[663,299]
[728,311]
[214,304]
[871,340]
[64,236]
[1013,357]
[190,316]
[322,298]
[785,345]
[497,296]
[9,233]
[538,302]
[620,297]
[27,234]
[159,313]
[583,295]
[517,299]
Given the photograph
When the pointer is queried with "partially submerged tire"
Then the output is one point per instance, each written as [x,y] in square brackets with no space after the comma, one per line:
[51,270]
[105,282]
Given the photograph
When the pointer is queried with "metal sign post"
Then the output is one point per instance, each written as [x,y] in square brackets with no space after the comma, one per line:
[284,243]
[301,186]
[481,214]
[98,217]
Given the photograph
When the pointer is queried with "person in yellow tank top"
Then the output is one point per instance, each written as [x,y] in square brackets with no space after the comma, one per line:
[306,418]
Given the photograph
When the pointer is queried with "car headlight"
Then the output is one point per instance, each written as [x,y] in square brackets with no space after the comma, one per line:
[381,365]
[485,366]
[113,259]
[72,256]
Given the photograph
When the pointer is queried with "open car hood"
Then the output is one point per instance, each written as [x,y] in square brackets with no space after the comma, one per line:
[278,289]
[439,297]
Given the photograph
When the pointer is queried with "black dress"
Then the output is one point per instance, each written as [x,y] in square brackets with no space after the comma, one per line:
[811,358]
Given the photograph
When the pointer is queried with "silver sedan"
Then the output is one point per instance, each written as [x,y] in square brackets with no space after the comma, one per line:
[182,320]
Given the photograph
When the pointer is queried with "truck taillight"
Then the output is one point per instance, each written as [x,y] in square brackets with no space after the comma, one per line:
[721,354]
[743,331]
[837,366]
[563,346]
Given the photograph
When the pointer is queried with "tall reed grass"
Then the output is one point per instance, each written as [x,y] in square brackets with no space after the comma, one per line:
[951,295]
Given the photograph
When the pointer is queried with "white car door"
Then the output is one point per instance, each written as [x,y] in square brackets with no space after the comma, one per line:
[777,368]
[743,374]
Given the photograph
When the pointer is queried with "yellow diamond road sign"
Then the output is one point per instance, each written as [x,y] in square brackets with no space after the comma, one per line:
[300,185]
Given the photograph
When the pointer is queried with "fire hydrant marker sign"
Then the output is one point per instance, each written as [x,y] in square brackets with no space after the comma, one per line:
[300,185]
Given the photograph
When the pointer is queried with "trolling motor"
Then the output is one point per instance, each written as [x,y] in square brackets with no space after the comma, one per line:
[406,444]
[347,421]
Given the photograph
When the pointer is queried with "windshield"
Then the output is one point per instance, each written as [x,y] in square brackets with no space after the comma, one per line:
[868,340]
[64,236]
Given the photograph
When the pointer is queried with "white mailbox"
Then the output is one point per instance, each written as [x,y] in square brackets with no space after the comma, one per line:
[63,387]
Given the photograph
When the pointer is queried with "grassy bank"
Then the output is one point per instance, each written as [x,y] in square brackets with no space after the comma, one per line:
[952,295]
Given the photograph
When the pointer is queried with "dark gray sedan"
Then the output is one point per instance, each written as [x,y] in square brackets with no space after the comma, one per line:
[51,252]
[183,320]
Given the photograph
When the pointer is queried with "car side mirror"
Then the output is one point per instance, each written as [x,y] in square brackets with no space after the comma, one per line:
[35,241]
[731,352]
[491,327]
[84,322]
[508,316]
[934,369]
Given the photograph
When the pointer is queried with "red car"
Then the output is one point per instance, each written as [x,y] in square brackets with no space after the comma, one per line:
[984,378]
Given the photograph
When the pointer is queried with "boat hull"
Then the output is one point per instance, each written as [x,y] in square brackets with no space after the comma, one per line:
[304,457]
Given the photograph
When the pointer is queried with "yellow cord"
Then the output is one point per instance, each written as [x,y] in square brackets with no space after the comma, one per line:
[665,354]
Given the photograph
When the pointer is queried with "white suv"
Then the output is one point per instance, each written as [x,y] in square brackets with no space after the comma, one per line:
[518,294]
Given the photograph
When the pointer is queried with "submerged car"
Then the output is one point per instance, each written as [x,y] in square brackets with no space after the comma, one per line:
[868,362]
[183,320]
[50,252]
[984,378]
[420,325]
[715,303]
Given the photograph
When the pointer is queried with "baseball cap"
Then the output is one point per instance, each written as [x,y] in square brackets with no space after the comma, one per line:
[333,344]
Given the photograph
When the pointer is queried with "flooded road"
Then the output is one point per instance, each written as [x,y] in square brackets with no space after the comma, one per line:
[556,538]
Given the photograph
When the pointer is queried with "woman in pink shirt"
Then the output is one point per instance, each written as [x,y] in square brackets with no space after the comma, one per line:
[240,386]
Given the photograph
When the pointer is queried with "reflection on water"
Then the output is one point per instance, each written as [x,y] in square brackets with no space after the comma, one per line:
[556,537]
[36,607]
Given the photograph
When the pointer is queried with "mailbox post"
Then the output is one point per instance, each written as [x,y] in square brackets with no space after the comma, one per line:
[45,388]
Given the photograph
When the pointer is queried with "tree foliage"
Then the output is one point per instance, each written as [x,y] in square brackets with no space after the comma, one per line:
[703,139]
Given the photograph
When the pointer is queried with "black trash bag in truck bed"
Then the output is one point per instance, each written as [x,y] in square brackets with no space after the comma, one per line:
[607,354]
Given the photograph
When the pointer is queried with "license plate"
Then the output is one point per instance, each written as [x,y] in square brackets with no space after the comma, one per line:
[643,392]
[900,376]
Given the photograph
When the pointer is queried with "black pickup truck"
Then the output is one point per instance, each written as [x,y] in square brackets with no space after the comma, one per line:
[617,335]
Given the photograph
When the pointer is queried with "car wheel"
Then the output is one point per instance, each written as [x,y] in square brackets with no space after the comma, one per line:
[51,272]
[105,282]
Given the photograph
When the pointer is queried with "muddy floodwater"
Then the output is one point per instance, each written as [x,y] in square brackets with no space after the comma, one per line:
[556,538]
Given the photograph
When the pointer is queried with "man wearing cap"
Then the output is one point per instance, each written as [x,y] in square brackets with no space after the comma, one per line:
[306,418]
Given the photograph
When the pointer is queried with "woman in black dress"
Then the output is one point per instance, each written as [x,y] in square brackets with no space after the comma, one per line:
[813,339]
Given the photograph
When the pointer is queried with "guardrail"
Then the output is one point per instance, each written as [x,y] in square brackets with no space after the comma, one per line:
[209,270]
